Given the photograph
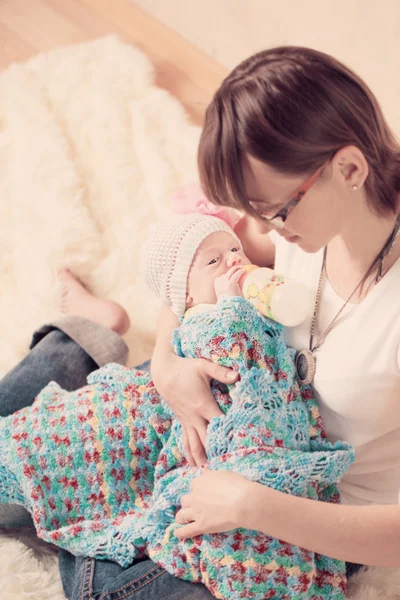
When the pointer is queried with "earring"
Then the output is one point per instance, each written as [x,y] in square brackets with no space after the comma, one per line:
[354,188]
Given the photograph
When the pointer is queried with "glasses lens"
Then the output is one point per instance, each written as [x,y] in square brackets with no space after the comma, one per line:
[277,222]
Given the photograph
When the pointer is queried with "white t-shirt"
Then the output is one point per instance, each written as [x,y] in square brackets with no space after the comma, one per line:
[357,380]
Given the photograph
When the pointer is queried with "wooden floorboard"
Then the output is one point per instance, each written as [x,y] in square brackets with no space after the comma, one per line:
[31,26]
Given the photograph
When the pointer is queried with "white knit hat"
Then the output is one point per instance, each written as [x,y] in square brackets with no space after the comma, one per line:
[169,251]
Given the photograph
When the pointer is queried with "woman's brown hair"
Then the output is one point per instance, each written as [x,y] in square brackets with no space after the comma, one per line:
[294,108]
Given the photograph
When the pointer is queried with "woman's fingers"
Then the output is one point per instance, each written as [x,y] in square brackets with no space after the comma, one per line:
[197,449]
[201,428]
[219,373]
[207,409]
[185,502]
[184,516]
[190,530]
[189,396]
[186,448]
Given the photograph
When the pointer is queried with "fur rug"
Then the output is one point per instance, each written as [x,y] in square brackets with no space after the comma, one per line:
[90,151]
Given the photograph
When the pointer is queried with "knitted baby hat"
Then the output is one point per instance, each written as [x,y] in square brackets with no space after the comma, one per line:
[168,253]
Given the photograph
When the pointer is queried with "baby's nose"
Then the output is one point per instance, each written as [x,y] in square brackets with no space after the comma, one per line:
[233,260]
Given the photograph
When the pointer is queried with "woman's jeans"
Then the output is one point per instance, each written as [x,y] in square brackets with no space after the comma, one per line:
[66,352]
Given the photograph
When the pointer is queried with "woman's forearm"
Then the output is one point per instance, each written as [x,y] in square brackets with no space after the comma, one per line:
[367,535]
[166,324]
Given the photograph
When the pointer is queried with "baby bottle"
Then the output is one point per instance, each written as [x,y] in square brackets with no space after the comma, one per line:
[275,296]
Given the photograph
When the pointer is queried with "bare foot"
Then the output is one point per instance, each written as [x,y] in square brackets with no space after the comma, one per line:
[77,300]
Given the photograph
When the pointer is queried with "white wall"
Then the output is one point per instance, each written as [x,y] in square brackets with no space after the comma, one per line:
[365,34]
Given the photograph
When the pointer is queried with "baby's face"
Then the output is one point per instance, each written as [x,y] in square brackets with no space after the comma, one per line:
[214,257]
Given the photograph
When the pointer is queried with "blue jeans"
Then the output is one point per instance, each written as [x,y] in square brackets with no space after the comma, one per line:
[56,356]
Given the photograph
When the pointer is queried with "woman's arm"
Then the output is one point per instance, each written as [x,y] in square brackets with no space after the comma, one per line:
[184,384]
[219,501]
[163,349]
[368,535]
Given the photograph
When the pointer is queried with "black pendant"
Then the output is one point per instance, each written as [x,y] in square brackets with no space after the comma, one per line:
[305,366]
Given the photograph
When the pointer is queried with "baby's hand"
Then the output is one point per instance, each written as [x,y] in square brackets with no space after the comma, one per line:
[228,284]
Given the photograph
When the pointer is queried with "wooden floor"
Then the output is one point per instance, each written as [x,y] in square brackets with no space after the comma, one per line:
[31,26]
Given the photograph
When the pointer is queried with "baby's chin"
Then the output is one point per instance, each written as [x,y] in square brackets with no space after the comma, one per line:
[208,299]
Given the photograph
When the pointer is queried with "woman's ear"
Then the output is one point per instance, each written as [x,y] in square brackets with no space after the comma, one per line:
[351,165]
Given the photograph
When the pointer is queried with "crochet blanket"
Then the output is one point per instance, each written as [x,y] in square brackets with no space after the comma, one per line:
[102,469]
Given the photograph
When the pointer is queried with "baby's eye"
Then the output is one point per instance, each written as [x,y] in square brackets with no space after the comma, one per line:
[235,249]
[213,261]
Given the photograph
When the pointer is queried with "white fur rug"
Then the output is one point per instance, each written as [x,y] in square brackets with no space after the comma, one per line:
[90,151]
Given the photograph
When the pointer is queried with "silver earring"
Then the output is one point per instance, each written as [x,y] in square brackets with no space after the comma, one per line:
[354,188]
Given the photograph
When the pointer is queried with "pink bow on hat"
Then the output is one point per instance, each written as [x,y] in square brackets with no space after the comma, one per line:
[191,199]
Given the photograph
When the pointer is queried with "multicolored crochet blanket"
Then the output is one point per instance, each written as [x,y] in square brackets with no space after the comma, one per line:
[102,469]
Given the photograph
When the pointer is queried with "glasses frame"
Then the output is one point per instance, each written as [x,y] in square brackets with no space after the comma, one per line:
[282,214]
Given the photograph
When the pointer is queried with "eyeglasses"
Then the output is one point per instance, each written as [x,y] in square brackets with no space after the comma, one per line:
[278,219]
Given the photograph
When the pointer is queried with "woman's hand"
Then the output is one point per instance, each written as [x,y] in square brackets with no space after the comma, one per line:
[184,384]
[215,504]
[257,245]
[223,500]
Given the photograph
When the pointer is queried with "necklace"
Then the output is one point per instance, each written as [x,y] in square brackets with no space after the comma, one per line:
[305,359]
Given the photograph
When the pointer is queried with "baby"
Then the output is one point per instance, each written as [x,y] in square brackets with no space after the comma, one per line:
[102,469]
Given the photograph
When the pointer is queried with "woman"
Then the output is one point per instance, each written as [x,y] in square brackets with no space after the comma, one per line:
[299,142]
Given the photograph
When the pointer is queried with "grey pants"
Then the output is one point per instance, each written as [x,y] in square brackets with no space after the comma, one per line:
[101,344]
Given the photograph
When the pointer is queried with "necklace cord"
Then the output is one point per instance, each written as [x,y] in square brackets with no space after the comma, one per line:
[385,251]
